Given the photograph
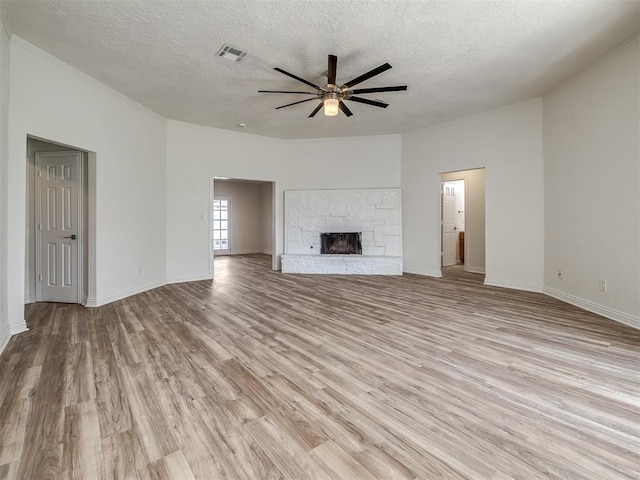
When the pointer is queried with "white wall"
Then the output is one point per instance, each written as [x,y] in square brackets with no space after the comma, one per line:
[195,154]
[51,100]
[4,120]
[508,143]
[246,215]
[592,185]
[352,162]
[266,205]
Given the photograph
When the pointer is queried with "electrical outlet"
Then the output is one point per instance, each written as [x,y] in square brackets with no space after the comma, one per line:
[603,285]
[560,274]
[139,270]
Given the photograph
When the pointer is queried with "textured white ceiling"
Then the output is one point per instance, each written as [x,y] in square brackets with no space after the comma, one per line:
[457,57]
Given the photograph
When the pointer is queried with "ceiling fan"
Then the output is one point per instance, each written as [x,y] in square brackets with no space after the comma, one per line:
[332,95]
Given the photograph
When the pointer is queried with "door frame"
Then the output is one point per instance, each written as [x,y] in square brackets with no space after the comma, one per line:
[38,220]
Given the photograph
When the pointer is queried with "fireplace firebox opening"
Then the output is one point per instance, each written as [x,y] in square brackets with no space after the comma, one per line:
[344,243]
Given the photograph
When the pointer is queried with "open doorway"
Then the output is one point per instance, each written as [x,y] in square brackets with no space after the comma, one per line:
[242,219]
[452,224]
[462,240]
[58,252]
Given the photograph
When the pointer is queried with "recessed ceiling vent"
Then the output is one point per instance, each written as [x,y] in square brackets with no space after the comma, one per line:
[231,53]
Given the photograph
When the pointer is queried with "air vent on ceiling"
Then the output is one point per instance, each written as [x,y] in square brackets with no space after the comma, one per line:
[231,53]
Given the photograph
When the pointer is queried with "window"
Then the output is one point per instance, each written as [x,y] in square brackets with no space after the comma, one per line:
[220,224]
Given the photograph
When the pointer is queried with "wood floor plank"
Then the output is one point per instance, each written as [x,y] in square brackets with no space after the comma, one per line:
[79,374]
[82,450]
[111,398]
[175,465]
[123,456]
[338,463]
[9,471]
[42,451]
[148,419]
[260,375]
[220,439]
[288,455]
[234,448]
[13,432]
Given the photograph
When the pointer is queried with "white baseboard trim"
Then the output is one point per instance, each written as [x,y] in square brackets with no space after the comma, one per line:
[426,273]
[28,300]
[471,269]
[18,327]
[514,285]
[196,278]
[5,335]
[608,312]
[99,301]
[91,302]
[241,252]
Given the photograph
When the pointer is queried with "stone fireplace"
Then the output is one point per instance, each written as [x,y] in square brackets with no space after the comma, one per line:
[343,231]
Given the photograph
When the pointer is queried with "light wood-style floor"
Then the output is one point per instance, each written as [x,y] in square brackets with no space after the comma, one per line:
[262,375]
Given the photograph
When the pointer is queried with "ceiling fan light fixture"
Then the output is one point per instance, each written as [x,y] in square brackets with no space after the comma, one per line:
[331,107]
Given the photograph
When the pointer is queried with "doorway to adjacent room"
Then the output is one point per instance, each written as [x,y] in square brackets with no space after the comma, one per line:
[462,221]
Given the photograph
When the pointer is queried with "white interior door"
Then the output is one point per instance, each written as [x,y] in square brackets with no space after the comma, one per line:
[221,225]
[58,232]
[449,229]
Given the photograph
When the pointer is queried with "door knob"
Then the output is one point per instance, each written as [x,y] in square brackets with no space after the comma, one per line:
[72,237]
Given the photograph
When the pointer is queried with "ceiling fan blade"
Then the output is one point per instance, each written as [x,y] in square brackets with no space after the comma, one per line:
[284,91]
[316,110]
[380,89]
[375,103]
[295,103]
[297,78]
[368,75]
[331,70]
[345,109]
